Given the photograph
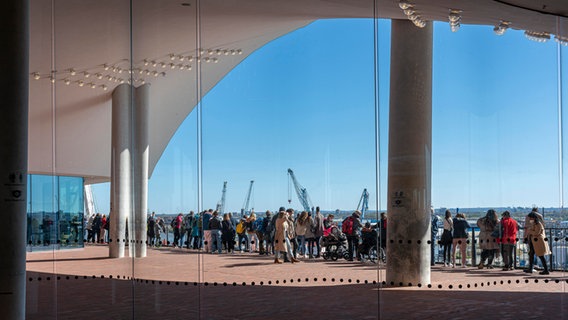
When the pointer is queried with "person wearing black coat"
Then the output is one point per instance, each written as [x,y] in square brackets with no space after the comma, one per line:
[228,233]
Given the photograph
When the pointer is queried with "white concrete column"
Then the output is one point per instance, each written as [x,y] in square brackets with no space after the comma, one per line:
[141,156]
[14,35]
[121,170]
[409,158]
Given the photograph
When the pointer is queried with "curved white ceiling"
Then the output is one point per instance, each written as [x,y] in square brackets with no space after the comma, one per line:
[82,41]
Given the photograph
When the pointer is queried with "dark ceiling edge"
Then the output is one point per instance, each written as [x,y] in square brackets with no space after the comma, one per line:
[530,9]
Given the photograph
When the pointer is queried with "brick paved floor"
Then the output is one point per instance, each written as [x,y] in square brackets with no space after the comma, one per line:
[181,284]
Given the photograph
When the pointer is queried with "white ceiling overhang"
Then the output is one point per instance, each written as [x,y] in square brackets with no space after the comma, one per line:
[70,117]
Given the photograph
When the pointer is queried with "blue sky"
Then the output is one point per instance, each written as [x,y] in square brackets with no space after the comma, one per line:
[306,101]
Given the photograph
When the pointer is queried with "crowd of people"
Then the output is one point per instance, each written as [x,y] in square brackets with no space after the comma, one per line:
[290,237]
[495,235]
[286,235]
[97,228]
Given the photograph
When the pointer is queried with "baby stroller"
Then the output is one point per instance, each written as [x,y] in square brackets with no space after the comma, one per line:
[368,248]
[335,244]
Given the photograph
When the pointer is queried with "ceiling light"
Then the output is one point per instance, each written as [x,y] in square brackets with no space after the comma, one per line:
[67,81]
[561,39]
[455,15]
[413,17]
[36,76]
[502,27]
[408,11]
[404,5]
[455,27]
[81,83]
[537,36]
[104,87]
[72,71]
[419,23]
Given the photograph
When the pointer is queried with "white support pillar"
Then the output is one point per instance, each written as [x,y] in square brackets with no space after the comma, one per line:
[14,35]
[121,170]
[141,156]
[409,158]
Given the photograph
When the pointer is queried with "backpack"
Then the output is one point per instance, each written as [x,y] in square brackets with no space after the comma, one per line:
[251,226]
[173,223]
[347,226]
[259,225]
[268,227]
[241,228]
[215,223]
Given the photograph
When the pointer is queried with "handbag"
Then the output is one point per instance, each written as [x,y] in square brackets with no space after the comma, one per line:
[498,231]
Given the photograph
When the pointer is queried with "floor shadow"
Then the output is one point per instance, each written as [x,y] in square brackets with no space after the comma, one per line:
[67,259]
[71,298]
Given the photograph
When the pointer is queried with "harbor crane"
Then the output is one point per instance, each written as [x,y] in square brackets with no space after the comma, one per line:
[221,204]
[245,209]
[301,192]
[363,203]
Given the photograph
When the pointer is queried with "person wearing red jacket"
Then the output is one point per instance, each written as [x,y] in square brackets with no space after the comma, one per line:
[508,239]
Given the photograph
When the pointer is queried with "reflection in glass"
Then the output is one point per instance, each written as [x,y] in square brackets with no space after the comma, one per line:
[55,212]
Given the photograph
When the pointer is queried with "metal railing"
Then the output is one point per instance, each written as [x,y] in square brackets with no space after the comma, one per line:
[557,239]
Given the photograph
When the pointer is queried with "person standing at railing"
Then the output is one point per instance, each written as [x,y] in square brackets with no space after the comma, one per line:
[151,229]
[176,226]
[536,239]
[383,231]
[487,243]
[508,239]
[447,238]
[525,239]
[460,238]
[434,233]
